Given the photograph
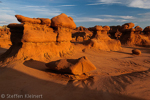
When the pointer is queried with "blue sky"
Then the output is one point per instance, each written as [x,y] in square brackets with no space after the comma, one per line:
[87,13]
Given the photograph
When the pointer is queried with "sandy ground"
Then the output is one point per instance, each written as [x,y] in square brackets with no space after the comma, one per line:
[119,76]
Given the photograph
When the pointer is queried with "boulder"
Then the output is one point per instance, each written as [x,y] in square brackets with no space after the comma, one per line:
[63,20]
[23,19]
[72,66]
[136,52]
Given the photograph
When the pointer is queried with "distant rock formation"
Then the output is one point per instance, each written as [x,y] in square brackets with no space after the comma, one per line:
[40,38]
[130,36]
[5,38]
[147,31]
[102,41]
[72,66]
[81,34]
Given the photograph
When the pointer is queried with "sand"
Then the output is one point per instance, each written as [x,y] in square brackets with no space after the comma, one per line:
[119,76]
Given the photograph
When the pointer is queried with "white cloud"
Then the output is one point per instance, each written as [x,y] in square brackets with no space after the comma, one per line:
[116,16]
[92,19]
[130,3]
[40,10]
[68,5]
[106,18]
[7,16]
[8,11]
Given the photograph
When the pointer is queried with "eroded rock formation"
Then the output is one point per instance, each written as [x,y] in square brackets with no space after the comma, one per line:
[102,41]
[5,38]
[81,34]
[147,31]
[40,38]
[128,35]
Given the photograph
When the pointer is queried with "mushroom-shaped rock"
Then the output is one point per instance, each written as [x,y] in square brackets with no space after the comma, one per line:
[106,28]
[128,25]
[63,20]
[72,66]
[136,52]
[98,28]
[23,19]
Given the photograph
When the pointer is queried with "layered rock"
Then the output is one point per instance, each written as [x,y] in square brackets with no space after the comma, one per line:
[102,41]
[35,39]
[72,66]
[5,38]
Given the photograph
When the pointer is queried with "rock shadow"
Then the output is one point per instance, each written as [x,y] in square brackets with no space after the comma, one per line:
[22,83]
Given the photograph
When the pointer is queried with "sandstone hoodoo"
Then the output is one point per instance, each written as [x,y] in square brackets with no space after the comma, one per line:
[72,66]
[102,41]
[40,38]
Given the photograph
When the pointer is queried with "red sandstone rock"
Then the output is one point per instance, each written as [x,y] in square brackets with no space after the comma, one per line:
[136,51]
[64,34]
[128,25]
[138,28]
[103,42]
[72,66]
[45,21]
[146,29]
[38,33]
[81,34]
[15,25]
[96,28]
[5,38]
[106,28]
[23,19]
[63,20]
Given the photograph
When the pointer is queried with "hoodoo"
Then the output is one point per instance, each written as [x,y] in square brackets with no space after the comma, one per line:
[40,38]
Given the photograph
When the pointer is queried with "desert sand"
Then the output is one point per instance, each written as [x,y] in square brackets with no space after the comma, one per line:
[119,74]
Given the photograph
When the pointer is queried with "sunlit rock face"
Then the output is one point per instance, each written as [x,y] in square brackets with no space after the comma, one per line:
[102,41]
[5,38]
[41,38]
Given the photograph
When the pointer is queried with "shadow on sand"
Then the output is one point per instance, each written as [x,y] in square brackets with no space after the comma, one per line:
[22,84]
